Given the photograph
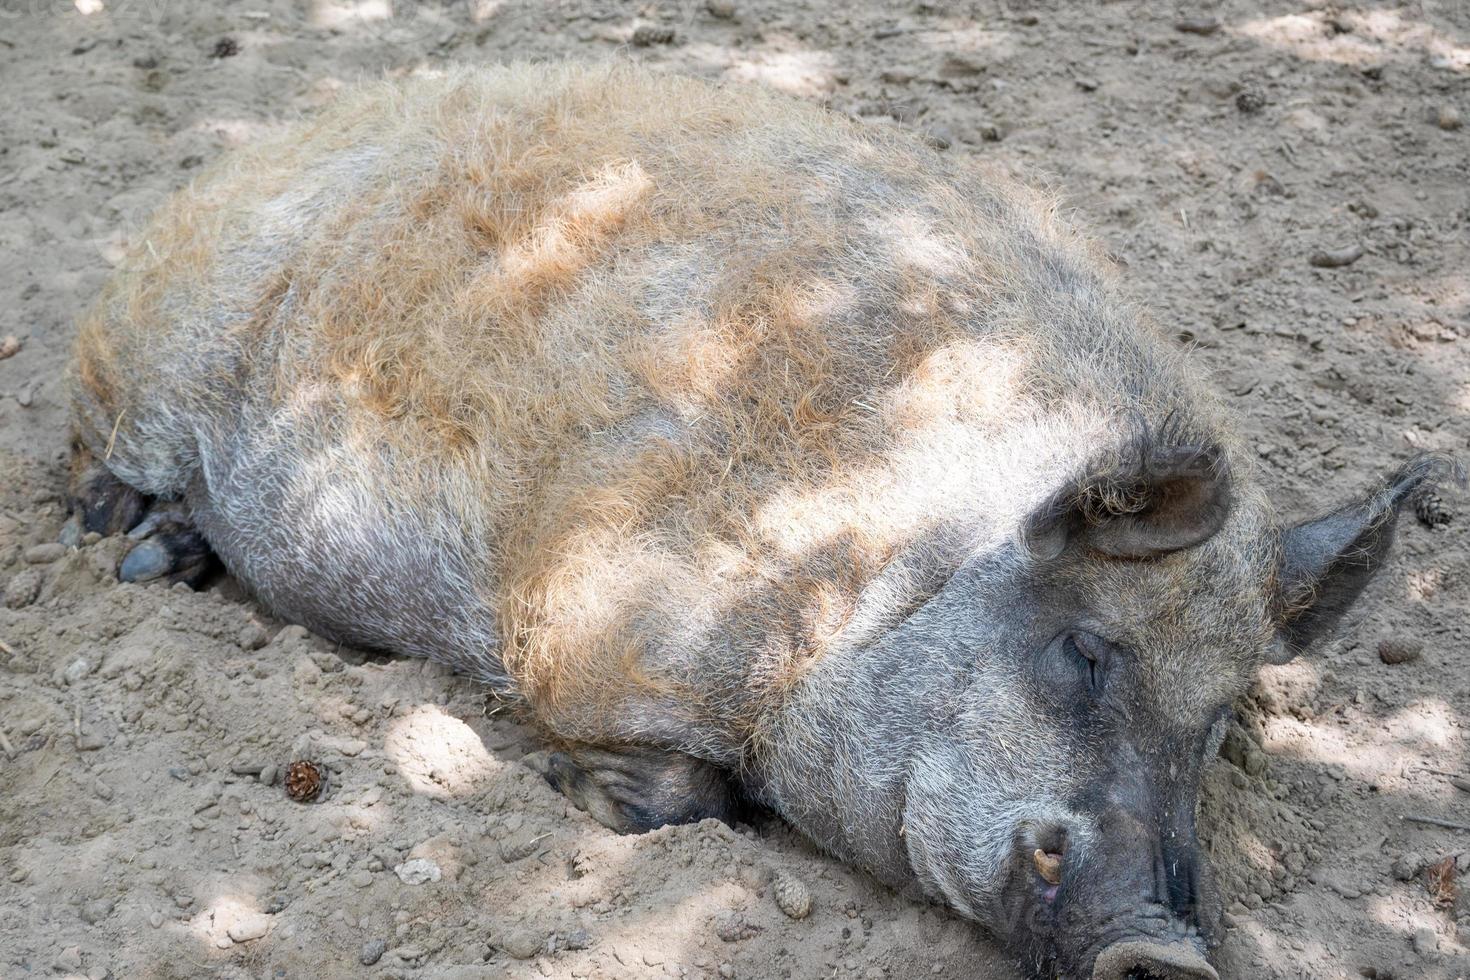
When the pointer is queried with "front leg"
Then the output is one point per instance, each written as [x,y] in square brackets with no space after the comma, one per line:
[633,789]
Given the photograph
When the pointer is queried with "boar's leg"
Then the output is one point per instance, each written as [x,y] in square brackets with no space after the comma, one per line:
[633,789]
[167,545]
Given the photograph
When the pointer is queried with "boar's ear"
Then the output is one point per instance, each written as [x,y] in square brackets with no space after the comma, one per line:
[1326,562]
[1155,500]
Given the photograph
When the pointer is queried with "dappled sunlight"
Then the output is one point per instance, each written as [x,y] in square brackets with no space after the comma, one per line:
[804,71]
[438,754]
[917,245]
[1421,585]
[1357,38]
[1301,953]
[1404,917]
[1399,915]
[575,228]
[237,132]
[1405,736]
[921,474]
[340,14]
[967,38]
[483,10]
[1426,725]
[226,920]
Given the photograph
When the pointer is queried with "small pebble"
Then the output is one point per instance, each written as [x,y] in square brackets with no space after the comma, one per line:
[518,848]
[249,927]
[721,9]
[1448,118]
[95,911]
[69,960]
[732,927]
[1426,943]
[372,951]
[90,742]
[155,919]
[1406,867]
[1335,258]
[1395,650]
[1249,102]
[522,942]
[360,879]
[76,670]
[45,554]
[650,34]
[23,588]
[418,871]
[9,347]
[252,636]
[1204,26]
[939,137]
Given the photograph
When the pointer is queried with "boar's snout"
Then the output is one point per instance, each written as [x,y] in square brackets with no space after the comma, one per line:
[1151,961]
[1126,895]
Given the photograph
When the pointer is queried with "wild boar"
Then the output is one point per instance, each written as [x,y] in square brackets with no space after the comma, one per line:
[764,457]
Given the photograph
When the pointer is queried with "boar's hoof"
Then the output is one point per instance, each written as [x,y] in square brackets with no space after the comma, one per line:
[181,554]
[1151,961]
[168,545]
[100,501]
[633,789]
[147,561]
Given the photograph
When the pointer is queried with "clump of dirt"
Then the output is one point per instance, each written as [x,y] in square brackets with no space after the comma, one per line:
[1284,188]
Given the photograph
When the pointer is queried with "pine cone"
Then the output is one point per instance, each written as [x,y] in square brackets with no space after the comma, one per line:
[304,781]
[1430,509]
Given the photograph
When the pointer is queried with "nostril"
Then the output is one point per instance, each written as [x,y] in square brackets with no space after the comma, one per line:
[1182,880]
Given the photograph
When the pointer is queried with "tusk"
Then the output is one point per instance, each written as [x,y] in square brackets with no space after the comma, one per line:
[1049,866]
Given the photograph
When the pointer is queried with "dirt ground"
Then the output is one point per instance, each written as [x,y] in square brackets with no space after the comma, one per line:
[1216,148]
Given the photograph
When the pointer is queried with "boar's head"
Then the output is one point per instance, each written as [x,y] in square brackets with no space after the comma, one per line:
[1052,793]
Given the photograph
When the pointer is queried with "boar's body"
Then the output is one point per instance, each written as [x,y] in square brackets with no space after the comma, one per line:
[706,421]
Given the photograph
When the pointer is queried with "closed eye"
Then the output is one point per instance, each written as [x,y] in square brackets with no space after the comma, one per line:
[1091,653]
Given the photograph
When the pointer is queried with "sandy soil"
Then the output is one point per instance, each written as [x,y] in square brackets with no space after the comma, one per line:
[144,831]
